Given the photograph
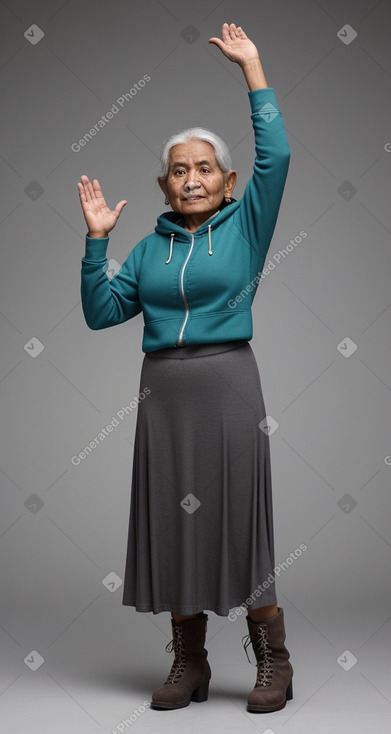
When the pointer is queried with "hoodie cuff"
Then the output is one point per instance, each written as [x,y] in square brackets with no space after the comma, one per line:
[259,97]
[95,248]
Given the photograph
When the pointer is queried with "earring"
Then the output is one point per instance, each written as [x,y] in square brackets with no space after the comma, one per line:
[166,201]
[228,199]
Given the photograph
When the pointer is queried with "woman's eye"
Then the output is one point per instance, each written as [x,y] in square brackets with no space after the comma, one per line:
[179,170]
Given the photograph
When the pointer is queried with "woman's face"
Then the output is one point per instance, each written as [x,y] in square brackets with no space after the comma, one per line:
[196,185]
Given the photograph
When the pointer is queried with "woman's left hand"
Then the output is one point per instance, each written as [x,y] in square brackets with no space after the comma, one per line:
[236,45]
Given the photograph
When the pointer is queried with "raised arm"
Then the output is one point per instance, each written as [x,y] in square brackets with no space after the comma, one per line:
[105,303]
[109,302]
[257,214]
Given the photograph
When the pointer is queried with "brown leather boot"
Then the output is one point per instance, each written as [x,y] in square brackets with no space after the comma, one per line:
[190,673]
[273,686]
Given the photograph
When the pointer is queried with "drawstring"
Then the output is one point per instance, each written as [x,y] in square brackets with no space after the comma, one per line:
[172,235]
[171,243]
[210,240]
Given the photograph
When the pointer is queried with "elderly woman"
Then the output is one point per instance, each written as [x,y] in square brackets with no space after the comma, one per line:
[201,518]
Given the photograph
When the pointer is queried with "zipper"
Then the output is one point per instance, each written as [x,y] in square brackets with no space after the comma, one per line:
[180,339]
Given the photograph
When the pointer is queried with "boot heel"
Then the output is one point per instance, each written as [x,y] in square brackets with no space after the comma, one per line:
[289,692]
[200,694]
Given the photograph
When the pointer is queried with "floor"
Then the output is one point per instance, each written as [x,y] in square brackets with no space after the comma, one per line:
[95,671]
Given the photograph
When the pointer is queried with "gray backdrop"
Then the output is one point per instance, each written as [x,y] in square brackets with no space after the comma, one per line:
[72,655]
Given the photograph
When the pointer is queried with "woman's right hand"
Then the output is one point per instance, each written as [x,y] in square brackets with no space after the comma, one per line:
[99,218]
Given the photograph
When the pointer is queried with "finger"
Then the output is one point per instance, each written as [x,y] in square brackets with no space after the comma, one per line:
[84,194]
[120,206]
[91,194]
[232,33]
[97,189]
[86,184]
[241,34]
[225,32]
[89,191]
[235,30]
[88,187]
[218,42]
[81,191]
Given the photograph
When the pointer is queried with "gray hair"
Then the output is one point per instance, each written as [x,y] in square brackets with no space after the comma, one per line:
[222,153]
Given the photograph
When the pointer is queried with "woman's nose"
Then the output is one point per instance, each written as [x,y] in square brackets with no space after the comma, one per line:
[191,183]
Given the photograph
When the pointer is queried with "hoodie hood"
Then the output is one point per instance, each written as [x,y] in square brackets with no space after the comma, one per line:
[171,224]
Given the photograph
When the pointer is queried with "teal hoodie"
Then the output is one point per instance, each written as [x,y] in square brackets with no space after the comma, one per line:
[198,287]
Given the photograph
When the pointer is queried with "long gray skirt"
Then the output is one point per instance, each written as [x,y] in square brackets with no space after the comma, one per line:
[201,518]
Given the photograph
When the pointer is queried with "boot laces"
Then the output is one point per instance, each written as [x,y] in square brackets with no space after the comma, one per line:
[179,664]
[263,653]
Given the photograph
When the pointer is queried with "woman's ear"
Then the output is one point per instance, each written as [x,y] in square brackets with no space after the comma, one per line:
[163,185]
[230,183]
